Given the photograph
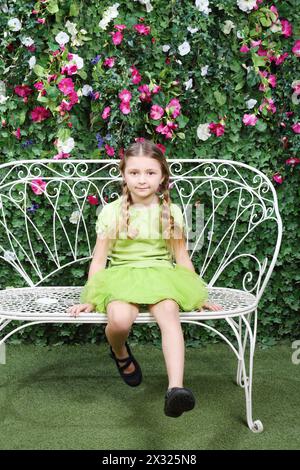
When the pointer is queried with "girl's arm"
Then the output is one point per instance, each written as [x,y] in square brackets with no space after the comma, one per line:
[181,254]
[99,256]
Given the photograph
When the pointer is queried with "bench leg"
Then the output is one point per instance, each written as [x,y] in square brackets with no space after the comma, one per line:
[244,378]
[3,323]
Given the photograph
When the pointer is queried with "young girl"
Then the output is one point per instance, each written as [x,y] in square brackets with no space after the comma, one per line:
[143,233]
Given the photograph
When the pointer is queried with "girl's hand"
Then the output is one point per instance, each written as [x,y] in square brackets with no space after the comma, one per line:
[76,309]
[210,306]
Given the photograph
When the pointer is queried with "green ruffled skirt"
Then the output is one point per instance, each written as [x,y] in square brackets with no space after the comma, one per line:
[145,285]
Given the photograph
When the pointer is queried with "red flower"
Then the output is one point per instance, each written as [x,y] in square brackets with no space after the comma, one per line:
[39,114]
[23,90]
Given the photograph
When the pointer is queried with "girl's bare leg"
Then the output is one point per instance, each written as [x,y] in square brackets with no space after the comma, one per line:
[121,316]
[166,314]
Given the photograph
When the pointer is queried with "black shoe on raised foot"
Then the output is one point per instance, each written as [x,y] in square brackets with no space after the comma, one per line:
[178,400]
[132,378]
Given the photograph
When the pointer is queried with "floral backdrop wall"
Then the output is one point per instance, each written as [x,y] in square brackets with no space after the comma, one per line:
[200,78]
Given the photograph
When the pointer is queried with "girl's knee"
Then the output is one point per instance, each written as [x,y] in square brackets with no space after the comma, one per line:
[120,317]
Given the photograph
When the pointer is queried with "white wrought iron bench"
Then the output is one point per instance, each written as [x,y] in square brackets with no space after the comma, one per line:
[240,213]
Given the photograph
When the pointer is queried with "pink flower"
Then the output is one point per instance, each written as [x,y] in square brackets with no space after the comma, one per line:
[66,86]
[73,97]
[156,112]
[69,69]
[272,80]
[17,133]
[51,78]
[109,150]
[93,200]
[39,86]
[255,43]
[117,38]
[41,20]
[269,104]
[125,95]
[136,77]
[278,178]
[217,128]
[125,107]
[142,29]
[61,155]
[106,112]
[257,4]
[65,106]
[109,62]
[38,186]
[139,139]
[244,48]
[174,106]
[156,89]
[39,114]
[293,161]
[287,29]
[296,128]
[120,27]
[161,147]
[146,94]
[249,119]
[296,48]
[280,58]
[23,90]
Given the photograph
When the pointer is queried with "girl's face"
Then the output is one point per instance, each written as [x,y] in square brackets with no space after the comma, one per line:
[143,176]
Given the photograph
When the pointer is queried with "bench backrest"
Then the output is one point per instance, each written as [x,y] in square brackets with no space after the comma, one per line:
[230,210]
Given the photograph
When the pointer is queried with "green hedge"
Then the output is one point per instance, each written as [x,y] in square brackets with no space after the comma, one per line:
[202,47]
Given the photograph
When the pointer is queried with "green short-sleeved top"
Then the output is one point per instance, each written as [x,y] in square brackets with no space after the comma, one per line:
[149,247]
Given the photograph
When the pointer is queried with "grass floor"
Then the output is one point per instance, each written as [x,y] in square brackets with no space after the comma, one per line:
[71,397]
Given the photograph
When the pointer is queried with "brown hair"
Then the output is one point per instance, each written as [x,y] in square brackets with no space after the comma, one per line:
[170,229]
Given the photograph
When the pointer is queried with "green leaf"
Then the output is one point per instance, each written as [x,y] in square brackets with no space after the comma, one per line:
[220,97]
[39,71]
[52,6]
[182,121]
[74,9]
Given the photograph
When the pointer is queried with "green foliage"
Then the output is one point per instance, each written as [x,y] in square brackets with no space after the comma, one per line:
[217,95]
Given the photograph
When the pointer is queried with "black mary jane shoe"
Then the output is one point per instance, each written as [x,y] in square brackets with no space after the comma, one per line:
[132,378]
[178,400]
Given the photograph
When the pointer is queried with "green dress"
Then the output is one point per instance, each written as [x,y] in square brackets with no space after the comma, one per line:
[140,270]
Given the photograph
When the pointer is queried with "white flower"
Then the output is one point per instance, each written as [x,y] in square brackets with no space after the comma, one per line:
[66,146]
[184,48]
[108,15]
[75,217]
[9,255]
[86,89]
[295,98]
[203,131]
[203,6]
[246,5]
[188,84]
[32,62]
[251,103]
[228,26]
[3,99]
[165,47]
[71,28]
[62,38]
[14,24]
[147,4]
[204,70]
[240,34]
[192,30]
[77,60]
[27,41]
[276,27]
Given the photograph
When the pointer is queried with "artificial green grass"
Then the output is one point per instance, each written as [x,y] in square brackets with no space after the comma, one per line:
[72,397]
